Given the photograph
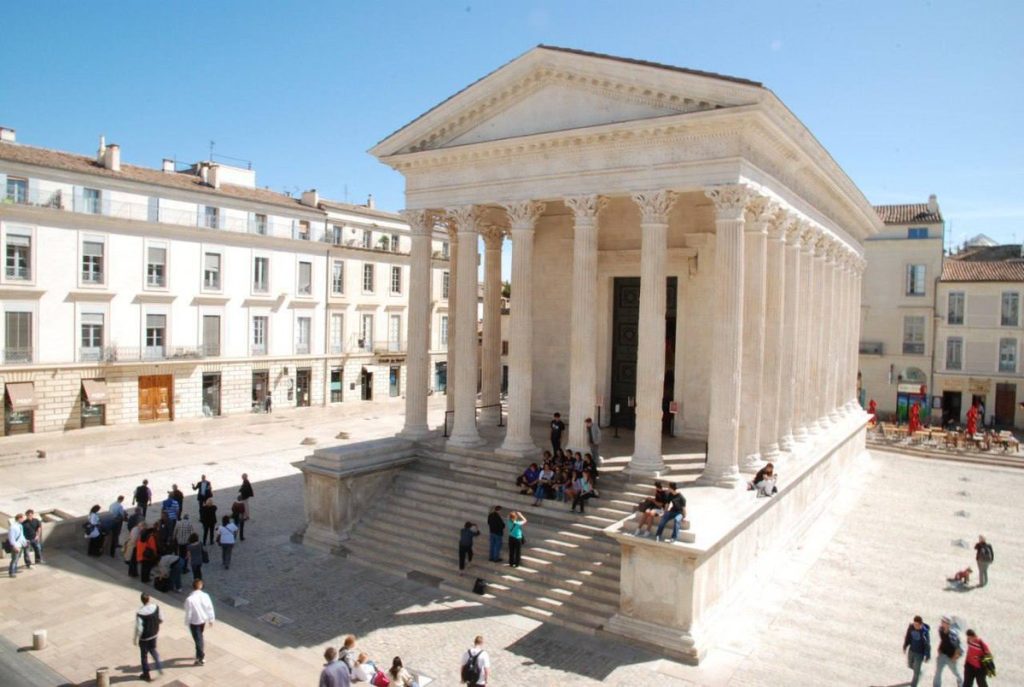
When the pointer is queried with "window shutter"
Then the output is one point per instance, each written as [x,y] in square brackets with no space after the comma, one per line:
[153,209]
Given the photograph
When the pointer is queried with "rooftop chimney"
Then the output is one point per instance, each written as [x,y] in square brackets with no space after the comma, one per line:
[933,204]
[168,165]
[204,172]
[102,151]
[311,198]
[112,158]
[369,202]
[7,134]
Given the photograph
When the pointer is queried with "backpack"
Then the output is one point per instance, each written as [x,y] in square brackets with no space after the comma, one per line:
[480,586]
[151,623]
[471,669]
[986,553]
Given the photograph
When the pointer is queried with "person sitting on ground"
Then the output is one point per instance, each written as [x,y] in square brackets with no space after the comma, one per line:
[584,490]
[400,677]
[348,654]
[963,577]
[650,510]
[544,481]
[590,466]
[364,670]
[527,481]
[560,484]
[577,462]
[764,482]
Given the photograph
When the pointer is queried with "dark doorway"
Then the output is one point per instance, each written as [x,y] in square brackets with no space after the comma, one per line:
[951,407]
[211,395]
[441,377]
[625,337]
[366,380]
[260,391]
[303,376]
[1006,404]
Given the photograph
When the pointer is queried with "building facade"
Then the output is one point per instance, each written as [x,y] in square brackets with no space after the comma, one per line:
[898,308]
[133,294]
[979,334]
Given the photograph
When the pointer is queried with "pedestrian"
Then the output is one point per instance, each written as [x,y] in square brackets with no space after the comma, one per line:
[170,507]
[167,574]
[974,668]
[16,543]
[496,525]
[117,517]
[178,496]
[593,439]
[198,614]
[675,510]
[917,645]
[208,518]
[195,554]
[146,555]
[182,534]
[399,676]
[984,555]
[130,544]
[335,673]
[948,653]
[33,530]
[143,496]
[226,538]
[135,518]
[557,427]
[245,493]
[93,532]
[516,520]
[238,517]
[203,489]
[466,535]
[147,627]
[475,667]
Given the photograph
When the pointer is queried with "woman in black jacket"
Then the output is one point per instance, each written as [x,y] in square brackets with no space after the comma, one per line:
[208,517]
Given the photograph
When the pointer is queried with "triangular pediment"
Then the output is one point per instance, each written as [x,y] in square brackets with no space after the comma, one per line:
[549,90]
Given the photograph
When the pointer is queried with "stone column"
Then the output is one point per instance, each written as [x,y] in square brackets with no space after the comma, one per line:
[858,274]
[839,351]
[760,210]
[453,260]
[583,334]
[650,353]
[819,416]
[774,336]
[788,417]
[802,372]
[727,356]
[464,432]
[490,362]
[833,335]
[421,225]
[522,218]
[815,332]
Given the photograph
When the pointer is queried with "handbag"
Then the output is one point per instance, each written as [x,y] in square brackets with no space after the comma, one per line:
[380,679]
[988,664]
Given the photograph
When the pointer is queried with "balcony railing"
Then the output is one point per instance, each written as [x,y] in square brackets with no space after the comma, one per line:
[301,348]
[258,349]
[14,355]
[122,354]
[331,238]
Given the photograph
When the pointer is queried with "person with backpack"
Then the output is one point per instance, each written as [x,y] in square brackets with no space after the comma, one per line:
[476,664]
[975,664]
[984,555]
[143,496]
[949,652]
[917,645]
[147,627]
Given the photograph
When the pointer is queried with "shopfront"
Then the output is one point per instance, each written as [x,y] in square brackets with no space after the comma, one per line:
[19,408]
[156,398]
[94,403]
[211,394]
[906,396]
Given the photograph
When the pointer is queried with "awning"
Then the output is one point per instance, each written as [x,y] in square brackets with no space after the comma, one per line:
[95,391]
[22,396]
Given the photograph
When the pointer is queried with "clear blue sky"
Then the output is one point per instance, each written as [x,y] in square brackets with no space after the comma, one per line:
[910,97]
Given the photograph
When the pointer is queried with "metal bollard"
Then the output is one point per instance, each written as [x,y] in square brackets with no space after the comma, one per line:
[102,680]
[38,640]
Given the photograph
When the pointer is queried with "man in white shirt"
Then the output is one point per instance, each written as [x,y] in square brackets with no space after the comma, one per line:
[198,613]
[17,542]
[117,517]
[476,664]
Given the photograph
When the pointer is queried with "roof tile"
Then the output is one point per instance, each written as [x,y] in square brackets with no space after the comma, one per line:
[973,270]
[907,213]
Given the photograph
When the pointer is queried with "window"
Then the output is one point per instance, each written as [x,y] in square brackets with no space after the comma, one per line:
[955,314]
[504,347]
[303,329]
[444,331]
[394,243]
[917,233]
[303,231]
[305,279]
[259,335]
[336,378]
[211,215]
[92,337]
[396,280]
[395,333]
[367,238]
[445,250]
[446,279]
[261,275]
[17,337]
[1010,310]
[385,243]
[156,335]
[91,201]
[1007,355]
[915,280]
[18,260]
[394,382]
[367,278]
[259,224]
[337,333]
[954,353]
[336,231]
[17,190]
[338,277]
[366,333]
[92,262]
[211,271]
[211,335]
[156,267]
[913,335]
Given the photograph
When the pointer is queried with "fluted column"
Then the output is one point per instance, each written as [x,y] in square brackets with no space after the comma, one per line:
[417,335]
[583,330]
[774,336]
[814,357]
[833,335]
[759,212]
[844,333]
[727,356]
[453,299]
[490,362]
[858,274]
[464,431]
[788,417]
[802,373]
[819,417]
[522,218]
[650,353]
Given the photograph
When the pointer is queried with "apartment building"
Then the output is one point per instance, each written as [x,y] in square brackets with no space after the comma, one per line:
[979,334]
[904,263]
[135,294]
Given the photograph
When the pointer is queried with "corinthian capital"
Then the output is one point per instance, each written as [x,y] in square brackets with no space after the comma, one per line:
[524,214]
[465,217]
[654,205]
[421,222]
[761,210]
[585,208]
[492,236]
[809,235]
[821,245]
[730,200]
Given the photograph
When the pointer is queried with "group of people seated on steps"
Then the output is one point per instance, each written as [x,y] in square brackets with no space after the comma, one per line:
[665,505]
[564,476]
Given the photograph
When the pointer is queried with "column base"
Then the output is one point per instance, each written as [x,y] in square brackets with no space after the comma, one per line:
[466,440]
[801,435]
[517,449]
[728,479]
[823,423]
[787,443]
[772,452]
[751,462]
[415,432]
[641,467]
[835,415]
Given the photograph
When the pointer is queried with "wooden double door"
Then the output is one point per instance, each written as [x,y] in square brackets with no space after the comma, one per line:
[156,398]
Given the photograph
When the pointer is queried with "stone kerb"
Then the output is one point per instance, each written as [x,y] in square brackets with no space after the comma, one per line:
[675,596]
[342,483]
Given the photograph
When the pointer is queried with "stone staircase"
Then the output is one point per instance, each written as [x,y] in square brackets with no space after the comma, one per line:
[570,569]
